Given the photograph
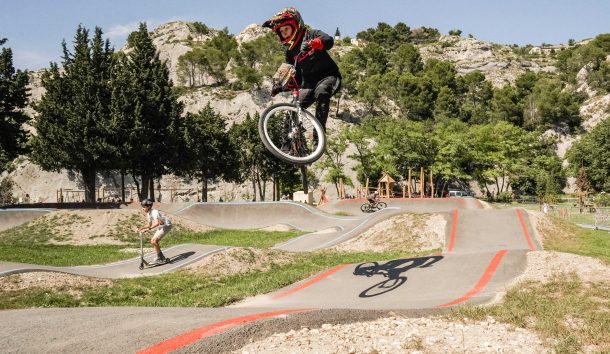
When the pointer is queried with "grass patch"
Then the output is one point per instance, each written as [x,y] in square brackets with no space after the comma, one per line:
[570,313]
[30,244]
[343,213]
[62,255]
[190,289]
[239,238]
[564,236]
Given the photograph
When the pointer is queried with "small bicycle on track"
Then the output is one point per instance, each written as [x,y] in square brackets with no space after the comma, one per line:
[290,132]
[371,208]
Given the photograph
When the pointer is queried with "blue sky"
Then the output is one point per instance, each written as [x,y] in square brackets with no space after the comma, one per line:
[35,28]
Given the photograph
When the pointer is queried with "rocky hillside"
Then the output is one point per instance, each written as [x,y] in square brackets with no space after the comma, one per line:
[500,64]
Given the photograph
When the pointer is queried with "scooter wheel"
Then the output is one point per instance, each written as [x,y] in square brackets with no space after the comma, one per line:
[141,266]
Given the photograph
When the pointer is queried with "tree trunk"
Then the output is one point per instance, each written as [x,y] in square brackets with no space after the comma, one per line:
[204,188]
[88,175]
[138,191]
[151,191]
[253,176]
[145,187]
[122,186]
[304,179]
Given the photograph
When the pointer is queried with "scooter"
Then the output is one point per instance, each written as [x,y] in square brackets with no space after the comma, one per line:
[143,262]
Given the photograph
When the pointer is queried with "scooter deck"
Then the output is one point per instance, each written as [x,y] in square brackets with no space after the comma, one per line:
[146,265]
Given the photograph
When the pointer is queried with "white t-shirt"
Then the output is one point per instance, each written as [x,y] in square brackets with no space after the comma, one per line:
[155,214]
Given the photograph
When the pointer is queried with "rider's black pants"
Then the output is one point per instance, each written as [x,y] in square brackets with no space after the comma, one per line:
[320,93]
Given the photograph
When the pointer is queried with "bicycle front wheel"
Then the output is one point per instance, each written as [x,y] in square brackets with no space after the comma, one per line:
[381,205]
[292,134]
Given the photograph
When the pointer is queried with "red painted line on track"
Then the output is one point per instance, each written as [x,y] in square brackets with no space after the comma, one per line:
[453,229]
[491,269]
[479,205]
[206,331]
[527,234]
[310,282]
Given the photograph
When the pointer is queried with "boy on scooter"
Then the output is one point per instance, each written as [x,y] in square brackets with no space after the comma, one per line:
[155,220]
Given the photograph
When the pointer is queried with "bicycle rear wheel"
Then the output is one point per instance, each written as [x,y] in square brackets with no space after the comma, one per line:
[365,208]
[292,134]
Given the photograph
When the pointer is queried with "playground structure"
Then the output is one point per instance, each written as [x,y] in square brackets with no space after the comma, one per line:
[413,188]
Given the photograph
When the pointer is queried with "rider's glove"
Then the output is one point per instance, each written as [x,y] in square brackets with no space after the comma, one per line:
[315,44]
[276,89]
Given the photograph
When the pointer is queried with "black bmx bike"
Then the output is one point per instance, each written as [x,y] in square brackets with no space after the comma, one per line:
[372,207]
[290,132]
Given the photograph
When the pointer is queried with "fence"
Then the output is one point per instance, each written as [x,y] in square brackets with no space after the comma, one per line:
[598,217]
[114,195]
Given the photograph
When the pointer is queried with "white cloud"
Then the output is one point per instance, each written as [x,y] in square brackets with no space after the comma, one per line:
[121,31]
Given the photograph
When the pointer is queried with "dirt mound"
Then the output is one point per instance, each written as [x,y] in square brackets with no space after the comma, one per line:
[240,260]
[73,284]
[406,232]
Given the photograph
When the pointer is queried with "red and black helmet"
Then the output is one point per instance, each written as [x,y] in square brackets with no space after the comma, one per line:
[289,16]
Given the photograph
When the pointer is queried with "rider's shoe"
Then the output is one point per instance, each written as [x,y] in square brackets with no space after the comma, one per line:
[160,258]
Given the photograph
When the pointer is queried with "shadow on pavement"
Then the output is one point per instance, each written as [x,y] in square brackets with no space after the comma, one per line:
[391,270]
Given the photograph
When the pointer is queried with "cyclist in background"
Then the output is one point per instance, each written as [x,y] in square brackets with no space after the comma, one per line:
[373,197]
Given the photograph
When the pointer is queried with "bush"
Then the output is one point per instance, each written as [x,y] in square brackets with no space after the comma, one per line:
[602,199]
[6,191]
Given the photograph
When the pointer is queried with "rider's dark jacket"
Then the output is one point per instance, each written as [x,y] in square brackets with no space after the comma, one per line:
[318,64]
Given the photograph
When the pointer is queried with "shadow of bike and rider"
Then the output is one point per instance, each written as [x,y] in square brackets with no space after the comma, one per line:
[392,271]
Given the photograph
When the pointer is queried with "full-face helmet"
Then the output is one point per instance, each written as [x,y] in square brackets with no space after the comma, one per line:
[289,16]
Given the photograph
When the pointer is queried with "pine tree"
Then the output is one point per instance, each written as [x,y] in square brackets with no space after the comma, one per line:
[72,126]
[13,98]
[154,112]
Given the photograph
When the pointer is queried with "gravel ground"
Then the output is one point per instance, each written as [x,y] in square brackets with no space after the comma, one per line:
[402,335]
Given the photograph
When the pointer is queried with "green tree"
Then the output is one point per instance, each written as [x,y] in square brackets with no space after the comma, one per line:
[200,29]
[333,163]
[352,70]
[257,164]
[402,145]
[476,96]
[218,51]
[592,153]
[72,126]
[600,78]
[447,105]
[13,99]
[154,111]
[424,35]
[406,58]
[366,167]
[258,59]
[454,154]
[506,106]
[386,36]
[550,105]
[192,66]
[416,96]
[208,153]
[441,73]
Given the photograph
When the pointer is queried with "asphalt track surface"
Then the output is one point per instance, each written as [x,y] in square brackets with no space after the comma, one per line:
[484,250]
